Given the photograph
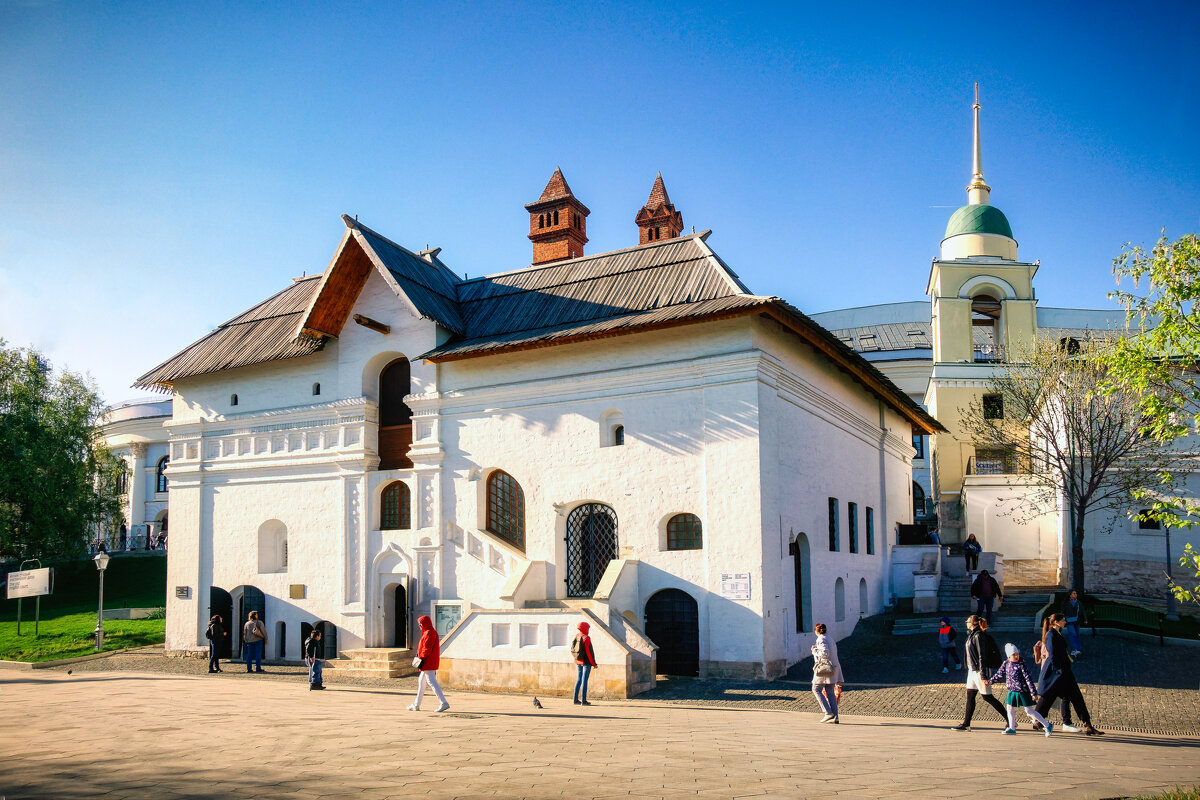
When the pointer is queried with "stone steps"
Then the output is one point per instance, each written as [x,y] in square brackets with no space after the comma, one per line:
[372,662]
[916,625]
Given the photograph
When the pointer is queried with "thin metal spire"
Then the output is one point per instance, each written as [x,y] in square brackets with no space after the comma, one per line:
[977,190]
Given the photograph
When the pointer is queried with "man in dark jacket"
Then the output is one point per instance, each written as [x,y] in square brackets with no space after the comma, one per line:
[984,591]
[214,634]
[312,655]
[977,669]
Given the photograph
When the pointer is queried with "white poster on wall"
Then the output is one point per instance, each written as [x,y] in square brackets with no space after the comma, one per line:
[735,585]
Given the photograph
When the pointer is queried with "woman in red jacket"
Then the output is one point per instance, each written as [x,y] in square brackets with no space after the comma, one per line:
[585,659]
[429,655]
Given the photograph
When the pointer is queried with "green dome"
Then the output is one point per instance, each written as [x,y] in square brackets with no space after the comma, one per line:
[978,219]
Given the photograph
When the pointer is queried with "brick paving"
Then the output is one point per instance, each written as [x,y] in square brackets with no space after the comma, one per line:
[169,736]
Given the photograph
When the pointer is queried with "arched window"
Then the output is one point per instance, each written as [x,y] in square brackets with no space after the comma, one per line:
[316,389]
[985,322]
[684,532]
[619,435]
[395,417]
[839,600]
[541,220]
[506,508]
[161,482]
[918,500]
[395,507]
[233,399]
[123,479]
[555,217]
[272,547]
[612,428]
[864,598]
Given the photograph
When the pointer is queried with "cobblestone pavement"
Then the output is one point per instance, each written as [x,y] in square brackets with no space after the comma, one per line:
[111,734]
[1129,686]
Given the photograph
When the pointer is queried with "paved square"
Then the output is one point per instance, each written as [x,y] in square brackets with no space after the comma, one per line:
[121,734]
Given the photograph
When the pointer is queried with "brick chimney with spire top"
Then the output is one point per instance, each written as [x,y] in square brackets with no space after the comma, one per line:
[658,219]
[557,222]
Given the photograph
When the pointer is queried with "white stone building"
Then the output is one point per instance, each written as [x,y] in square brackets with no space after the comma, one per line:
[631,437]
[135,432]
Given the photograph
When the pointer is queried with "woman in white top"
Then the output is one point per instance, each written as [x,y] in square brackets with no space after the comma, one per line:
[826,687]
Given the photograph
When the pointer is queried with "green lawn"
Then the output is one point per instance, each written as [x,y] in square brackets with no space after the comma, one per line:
[69,614]
[71,635]
[1178,794]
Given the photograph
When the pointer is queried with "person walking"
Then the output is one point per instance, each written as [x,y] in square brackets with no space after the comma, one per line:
[585,660]
[1057,679]
[428,660]
[1021,691]
[984,592]
[254,637]
[971,549]
[1039,657]
[982,655]
[946,637]
[214,634]
[1072,609]
[827,674]
[312,656]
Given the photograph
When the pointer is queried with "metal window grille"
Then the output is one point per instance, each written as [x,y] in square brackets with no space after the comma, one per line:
[591,544]
[161,484]
[395,507]
[684,532]
[852,513]
[870,531]
[833,524]
[506,508]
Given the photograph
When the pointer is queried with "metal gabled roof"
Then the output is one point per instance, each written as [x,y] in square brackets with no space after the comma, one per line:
[263,333]
[426,282]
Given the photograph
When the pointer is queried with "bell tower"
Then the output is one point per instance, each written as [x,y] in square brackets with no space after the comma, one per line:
[658,219]
[557,222]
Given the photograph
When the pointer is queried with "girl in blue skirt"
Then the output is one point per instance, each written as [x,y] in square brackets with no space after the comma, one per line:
[1022,691]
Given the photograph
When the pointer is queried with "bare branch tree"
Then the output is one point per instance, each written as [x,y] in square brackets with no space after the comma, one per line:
[1051,412]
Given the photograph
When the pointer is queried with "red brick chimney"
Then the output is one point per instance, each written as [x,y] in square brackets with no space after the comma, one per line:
[557,222]
[658,219]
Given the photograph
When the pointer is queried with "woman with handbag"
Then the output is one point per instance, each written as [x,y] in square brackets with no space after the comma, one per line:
[427,661]
[827,674]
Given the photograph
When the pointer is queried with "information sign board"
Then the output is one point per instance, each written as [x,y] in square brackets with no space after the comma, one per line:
[735,585]
[30,583]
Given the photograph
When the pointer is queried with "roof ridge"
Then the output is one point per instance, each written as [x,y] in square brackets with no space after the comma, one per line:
[701,235]
[353,224]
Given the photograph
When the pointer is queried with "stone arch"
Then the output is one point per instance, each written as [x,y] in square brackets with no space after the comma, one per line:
[987,284]
[864,598]
[272,546]
[673,624]
[612,428]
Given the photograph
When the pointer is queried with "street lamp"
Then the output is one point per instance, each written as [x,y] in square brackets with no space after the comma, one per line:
[101,560]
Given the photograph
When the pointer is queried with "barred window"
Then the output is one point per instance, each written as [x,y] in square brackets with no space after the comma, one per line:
[506,508]
[160,483]
[684,532]
[395,507]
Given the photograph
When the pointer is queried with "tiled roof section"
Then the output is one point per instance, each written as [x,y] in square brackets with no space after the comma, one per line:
[890,336]
[729,305]
[429,284]
[596,290]
[264,333]
[658,194]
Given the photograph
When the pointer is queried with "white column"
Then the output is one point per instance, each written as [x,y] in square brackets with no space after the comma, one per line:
[137,490]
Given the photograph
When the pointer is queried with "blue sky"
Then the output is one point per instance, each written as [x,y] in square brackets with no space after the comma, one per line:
[163,166]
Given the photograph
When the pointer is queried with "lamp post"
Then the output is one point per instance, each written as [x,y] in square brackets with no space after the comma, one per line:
[101,560]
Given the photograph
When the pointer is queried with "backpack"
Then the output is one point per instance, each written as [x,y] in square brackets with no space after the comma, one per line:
[577,648]
[992,657]
[1039,652]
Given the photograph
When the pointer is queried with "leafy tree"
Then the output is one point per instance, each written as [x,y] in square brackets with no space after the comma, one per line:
[57,479]
[1063,423]
[1160,363]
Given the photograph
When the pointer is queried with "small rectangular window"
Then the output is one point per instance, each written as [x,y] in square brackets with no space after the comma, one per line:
[1148,524]
[852,519]
[833,524]
[993,406]
[918,443]
[870,531]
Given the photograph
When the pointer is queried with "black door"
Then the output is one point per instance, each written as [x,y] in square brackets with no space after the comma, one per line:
[400,617]
[221,603]
[305,632]
[328,639]
[591,544]
[252,599]
[673,623]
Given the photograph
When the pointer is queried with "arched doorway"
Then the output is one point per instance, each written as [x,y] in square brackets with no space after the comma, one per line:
[329,646]
[801,564]
[395,417]
[918,500]
[305,632]
[250,599]
[220,602]
[591,544]
[394,631]
[673,623]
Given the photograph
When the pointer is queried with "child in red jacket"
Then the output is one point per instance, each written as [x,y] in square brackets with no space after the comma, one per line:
[428,657]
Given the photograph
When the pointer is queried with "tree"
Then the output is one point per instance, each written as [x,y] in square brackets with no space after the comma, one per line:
[57,479]
[1062,422]
[1160,362]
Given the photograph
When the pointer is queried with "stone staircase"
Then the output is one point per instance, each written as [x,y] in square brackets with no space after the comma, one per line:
[371,662]
[1017,613]
[954,595]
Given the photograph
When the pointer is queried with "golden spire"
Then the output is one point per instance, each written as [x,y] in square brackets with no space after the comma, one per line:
[977,190]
